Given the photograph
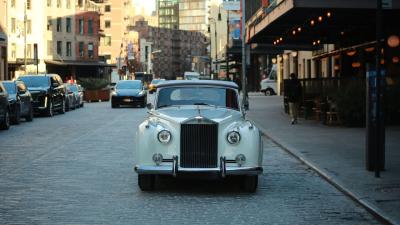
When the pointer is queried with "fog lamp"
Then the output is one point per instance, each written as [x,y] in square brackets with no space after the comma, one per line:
[240,159]
[157,158]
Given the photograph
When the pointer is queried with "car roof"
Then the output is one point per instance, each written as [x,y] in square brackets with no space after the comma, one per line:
[120,81]
[219,83]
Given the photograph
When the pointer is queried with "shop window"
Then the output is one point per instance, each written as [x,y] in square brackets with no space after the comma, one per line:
[69,49]
[90,50]
[59,48]
[90,27]
[81,50]
[68,25]
[59,24]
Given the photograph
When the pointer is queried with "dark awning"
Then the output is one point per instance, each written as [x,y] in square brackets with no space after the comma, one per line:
[339,21]
[79,63]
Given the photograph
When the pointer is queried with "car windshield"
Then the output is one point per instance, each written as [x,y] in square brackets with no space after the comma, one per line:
[129,85]
[10,87]
[73,88]
[38,81]
[212,96]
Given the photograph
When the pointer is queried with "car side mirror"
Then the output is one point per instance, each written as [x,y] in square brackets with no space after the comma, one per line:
[149,106]
[21,91]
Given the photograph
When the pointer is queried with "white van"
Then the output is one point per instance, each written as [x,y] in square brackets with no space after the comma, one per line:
[269,84]
[191,76]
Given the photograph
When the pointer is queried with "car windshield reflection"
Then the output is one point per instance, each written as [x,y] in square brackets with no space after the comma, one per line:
[205,96]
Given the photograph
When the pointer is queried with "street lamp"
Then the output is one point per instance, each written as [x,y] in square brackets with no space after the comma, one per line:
[214,21]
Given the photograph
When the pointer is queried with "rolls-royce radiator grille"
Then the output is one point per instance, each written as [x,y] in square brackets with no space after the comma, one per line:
[199,146]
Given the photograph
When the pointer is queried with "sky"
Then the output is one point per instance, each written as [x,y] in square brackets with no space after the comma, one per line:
[147,5]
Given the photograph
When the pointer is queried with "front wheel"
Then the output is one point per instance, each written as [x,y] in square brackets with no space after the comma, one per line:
[5,124]
[250,184]
[50,110]
[29,117]
[146,182]
[17,117]
[269,92]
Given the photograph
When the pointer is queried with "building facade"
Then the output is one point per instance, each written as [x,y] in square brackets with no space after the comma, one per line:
[193,15]
[116,16]
[171,52]
[3,41]
[168,13]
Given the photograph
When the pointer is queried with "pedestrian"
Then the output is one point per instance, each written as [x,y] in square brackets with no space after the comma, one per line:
[238,82]
[294,93]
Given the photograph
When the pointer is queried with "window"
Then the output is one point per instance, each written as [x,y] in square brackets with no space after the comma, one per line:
[69,49]
[107,8]
[28,4]
[13,3]
[49,47]
[59,24]
[49,23]
[59,48]
[68,25]
[81,50]
[80,3]
[90,50]
[107,24]
[29,51]
[90,27]
[58,3]
[13,50]
[29,26]
[49,3]
[13,25]
[68,4]
[107,41]
[81,23]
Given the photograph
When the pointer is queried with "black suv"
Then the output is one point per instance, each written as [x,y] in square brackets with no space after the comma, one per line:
[20,100]
[48,93]
[4,109]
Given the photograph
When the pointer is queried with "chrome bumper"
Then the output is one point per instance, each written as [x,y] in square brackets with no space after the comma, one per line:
[173,169]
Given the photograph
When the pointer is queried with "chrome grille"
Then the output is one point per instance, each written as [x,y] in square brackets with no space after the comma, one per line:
[199,146]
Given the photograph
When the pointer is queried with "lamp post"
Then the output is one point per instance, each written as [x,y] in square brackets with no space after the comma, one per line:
[227,44]
[244,80]
[25,27]
[215,41]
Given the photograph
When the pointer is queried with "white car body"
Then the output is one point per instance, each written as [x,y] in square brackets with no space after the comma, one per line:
[175,118]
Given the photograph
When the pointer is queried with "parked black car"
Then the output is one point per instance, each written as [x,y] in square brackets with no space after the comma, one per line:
[129,92]
[48,93]
[4,108]
[20,101]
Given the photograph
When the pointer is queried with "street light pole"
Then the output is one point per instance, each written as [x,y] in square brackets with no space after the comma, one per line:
[227,44]
[244,80]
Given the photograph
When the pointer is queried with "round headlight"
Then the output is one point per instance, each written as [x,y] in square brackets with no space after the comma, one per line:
[233,137]
[164,136]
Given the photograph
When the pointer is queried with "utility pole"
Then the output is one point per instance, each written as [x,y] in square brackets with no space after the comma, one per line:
[227,44]
[244,66]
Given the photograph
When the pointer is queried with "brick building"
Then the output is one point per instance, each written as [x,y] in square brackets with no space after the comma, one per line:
[172,52]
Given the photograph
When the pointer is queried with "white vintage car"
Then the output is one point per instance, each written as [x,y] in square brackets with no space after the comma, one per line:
[198,127]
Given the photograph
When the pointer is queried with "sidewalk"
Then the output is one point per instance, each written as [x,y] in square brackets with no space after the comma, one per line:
[338,153]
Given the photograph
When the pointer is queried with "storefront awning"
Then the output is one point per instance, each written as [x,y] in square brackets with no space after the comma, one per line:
[292,24]
[79,63]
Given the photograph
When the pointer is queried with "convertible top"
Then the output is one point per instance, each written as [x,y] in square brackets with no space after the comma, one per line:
[219,83]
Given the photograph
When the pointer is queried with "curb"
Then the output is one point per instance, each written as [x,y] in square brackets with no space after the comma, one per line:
[370,207]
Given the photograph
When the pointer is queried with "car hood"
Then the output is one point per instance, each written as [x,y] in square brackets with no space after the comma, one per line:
[128,92]
[34,90]
[184,114]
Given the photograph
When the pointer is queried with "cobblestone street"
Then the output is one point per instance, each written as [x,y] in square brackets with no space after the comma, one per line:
[77,168]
